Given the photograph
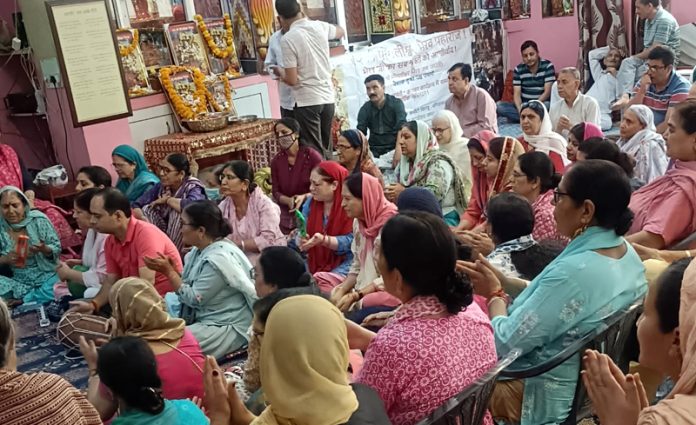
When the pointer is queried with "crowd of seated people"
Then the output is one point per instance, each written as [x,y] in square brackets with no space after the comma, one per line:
[363,294]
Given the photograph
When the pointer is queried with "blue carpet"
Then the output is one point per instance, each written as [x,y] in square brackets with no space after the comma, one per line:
[38,350]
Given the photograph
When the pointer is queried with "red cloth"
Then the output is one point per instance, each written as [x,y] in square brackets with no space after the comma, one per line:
[125,259]
[479,193]
[10,171]
[377,211]
[320,258]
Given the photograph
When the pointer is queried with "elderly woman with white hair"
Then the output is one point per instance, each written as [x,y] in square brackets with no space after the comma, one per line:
[448,132]
[640,140]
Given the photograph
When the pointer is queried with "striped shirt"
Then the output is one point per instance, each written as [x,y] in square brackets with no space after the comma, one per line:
[533,84]
[663,29]
[677,91]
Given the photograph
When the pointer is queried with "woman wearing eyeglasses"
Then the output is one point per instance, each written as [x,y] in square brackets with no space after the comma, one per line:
[596,275]
[354,154]
[448,132]
[290,170]
[423,164]
[134,178]
[163,203]
[215,289]
[253,217]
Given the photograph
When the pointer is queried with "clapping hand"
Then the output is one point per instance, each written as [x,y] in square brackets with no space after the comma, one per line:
[161,264]
[617,398]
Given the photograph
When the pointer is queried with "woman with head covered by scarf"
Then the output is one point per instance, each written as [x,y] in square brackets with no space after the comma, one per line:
[640,140]
[354,154]
[423,164]
[134,178]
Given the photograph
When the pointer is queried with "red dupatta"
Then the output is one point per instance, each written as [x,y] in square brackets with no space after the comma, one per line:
[320,258]
[10,171]
[481,184]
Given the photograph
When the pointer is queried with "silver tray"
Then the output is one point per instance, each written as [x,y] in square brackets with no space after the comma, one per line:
[243,119]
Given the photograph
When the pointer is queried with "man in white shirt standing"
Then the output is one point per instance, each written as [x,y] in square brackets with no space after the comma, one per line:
[574,107]
[306,68]
[274,58]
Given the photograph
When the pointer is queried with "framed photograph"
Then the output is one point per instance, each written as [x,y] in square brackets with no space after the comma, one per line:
[208,8]
[216,44]
[155,13]
[89,59]
[516,9]
[557,8]
[243,32]
[381,16]
[153,45]
[355,21]
[133,62]
[187,46]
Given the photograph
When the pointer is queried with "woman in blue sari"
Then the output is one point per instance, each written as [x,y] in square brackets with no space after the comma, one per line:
[215,290]
[34,280]
[596,275]
[134,178]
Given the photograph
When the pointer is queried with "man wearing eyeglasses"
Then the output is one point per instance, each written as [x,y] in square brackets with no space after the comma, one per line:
[660,88]
[660,29]
[473,106]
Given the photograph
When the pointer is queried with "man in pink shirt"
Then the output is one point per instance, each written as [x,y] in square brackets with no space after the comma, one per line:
[129,242]
[474,107]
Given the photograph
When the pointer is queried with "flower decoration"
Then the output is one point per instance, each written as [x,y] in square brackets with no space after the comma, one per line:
[228,50]
[127,50]
[185,108]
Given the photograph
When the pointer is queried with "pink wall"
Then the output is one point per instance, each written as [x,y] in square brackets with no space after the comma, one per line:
[684,11]
[558,38]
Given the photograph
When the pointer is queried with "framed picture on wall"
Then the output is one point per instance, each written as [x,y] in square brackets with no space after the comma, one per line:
[381,16]
[155,13]
[89,60]
[208,8]
[516,9]
[243,31]
[557,8]
[187,46]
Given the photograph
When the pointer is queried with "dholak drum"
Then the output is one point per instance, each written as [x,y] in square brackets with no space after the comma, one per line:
[74,325]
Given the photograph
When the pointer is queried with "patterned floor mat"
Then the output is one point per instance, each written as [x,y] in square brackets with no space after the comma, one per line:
[38,350]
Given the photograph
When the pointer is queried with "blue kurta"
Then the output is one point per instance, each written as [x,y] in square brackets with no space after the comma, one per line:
[572,296]
[216,297]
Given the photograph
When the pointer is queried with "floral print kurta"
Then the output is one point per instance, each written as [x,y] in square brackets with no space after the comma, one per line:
[417,362]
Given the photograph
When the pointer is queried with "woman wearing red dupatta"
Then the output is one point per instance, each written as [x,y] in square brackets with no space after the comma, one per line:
[478,148]
[364,200]
[329,229]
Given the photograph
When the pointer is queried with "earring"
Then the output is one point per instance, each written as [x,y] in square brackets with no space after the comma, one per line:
[580,230]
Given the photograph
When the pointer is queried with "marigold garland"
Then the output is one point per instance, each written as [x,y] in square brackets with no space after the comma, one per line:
[127,50]
[228,95]
[214,49]
[181,107]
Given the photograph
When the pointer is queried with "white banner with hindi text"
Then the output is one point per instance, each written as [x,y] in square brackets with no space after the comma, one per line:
[414,67]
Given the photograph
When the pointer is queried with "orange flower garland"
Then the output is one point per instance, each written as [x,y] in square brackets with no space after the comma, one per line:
[181,107]
[127,50]
[214,49]
[228,96]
